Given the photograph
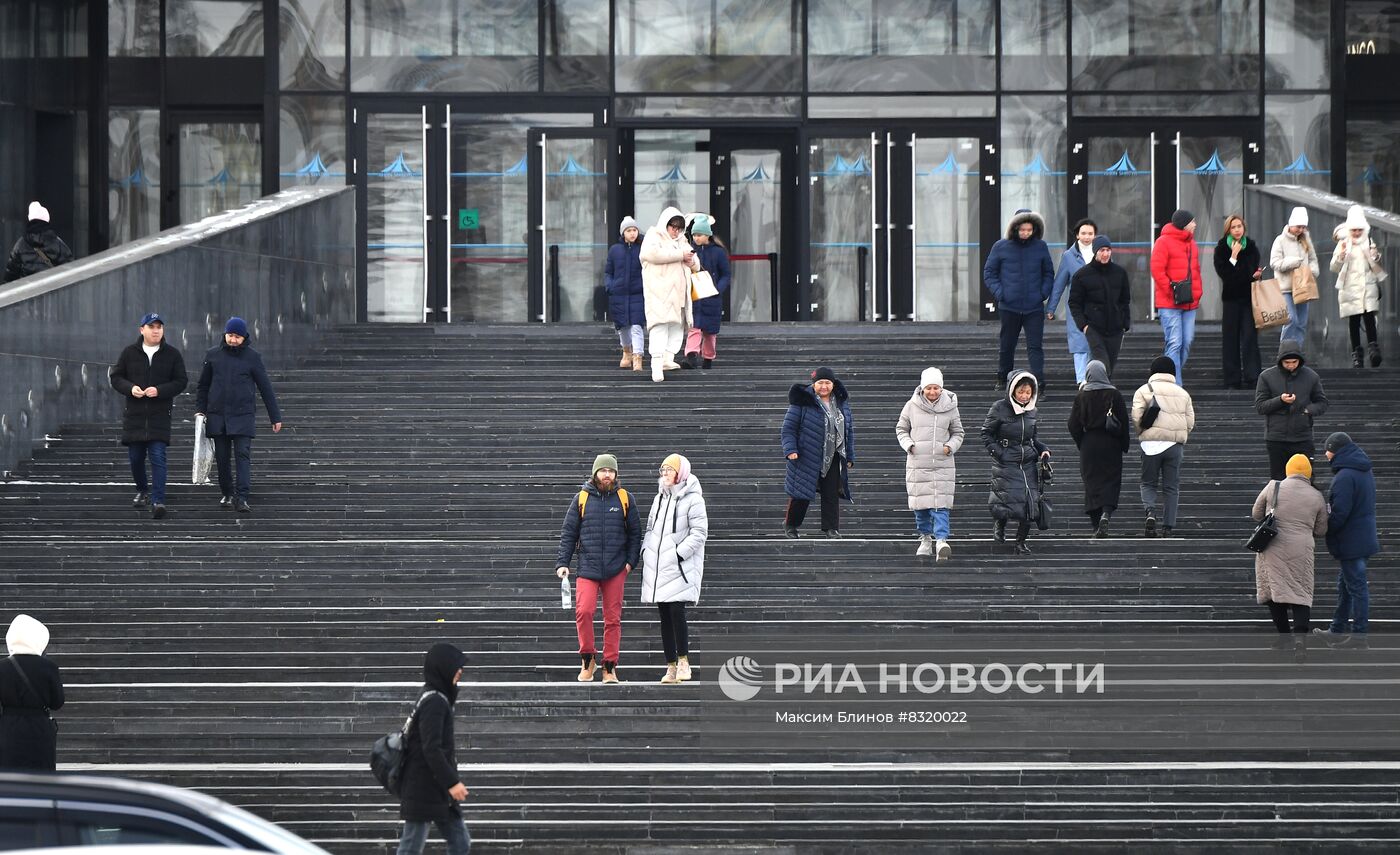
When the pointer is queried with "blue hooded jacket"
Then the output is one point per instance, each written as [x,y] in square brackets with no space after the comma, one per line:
[1019,273]
[1351,518]
[708,312]
[622,277]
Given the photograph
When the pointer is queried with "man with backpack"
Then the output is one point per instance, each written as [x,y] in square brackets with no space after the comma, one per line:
[430,790]
[1165,417]
[603,526]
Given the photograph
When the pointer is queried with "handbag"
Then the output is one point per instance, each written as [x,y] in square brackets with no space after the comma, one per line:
[24,678]
[1304,285]
[1150,412]
[1044,510]
[702,285]
[1181,289]
[387,755]
[1267,301]
[1111,423]
[1267,530]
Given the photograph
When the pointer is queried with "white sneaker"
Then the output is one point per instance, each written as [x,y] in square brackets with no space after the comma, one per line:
[925,545]
[944,551]
[670,364]
[657,373]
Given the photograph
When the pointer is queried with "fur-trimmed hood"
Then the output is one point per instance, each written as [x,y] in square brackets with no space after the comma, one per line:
[1025,216]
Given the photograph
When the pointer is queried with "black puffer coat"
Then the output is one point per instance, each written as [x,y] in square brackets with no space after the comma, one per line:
[148,419]
[27,739]
[25,259]
[1289,422]
[1010,438]
[430,756]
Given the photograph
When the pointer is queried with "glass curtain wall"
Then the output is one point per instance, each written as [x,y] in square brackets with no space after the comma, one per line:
[947,240]
[133,173]
[220,167]
[396,263]
[755,229]
[426,46]
[680,46]
[841,221]
[901,45]
[575,229]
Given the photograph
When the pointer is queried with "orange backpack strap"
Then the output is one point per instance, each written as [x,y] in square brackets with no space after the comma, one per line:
[583,500]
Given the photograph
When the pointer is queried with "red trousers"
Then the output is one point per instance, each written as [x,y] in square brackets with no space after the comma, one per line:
[586,604]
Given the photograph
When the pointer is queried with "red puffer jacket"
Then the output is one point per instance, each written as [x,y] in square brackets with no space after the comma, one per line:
[1174,253]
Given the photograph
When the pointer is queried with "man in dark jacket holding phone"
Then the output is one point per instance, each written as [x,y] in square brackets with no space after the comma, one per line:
[148,374]
[1289,395]
[231,373]
[431,791]
[1100,301]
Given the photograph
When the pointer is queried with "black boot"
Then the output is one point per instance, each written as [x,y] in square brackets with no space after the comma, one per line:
[1022,530]
[691,361]
[1375,350]
[1000,385]
[999,531]
[1358,358]
[707,364]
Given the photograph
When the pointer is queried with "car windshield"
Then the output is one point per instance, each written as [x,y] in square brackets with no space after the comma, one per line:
[274,837]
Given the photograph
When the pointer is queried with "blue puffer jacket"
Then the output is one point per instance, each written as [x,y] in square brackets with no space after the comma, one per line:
[622,277]
[1070,263]
[804,431]
[226,391]
[1020,273]
[1351,520]
[606,539]
[707,312]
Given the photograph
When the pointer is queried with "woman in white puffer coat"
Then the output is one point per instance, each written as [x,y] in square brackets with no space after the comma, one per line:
[1357,263]
[930,430]
[673,559]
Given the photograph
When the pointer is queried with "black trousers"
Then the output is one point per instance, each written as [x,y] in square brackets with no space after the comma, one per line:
[1302,617]
[1012,325]
[1354,327]
[1279,452]
[1104,348]
[1239,344]
[675,635]
[829,488]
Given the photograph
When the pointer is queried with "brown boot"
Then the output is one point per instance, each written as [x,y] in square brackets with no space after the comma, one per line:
[590,665]
[626,358]
[637,362]
[609,672]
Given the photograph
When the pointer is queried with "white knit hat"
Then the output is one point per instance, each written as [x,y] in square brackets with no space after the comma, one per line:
[1298,217]
[38,212]
[1356,219]
[628,223]
[931,376]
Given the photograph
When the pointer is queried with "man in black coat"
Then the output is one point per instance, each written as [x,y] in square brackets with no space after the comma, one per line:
[1289,396]
[1100,301]
[232,372]
[149,374]
[40,248]
[431,790]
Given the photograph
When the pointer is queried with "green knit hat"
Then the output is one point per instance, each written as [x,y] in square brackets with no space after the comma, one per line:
[603,461]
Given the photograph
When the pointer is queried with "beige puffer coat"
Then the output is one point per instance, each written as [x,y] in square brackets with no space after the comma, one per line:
[665,275]
[1359,273]
[1290,253]
[930,476]
[1178,416]
[1283,573]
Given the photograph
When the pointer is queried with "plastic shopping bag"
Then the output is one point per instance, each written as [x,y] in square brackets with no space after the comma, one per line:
[203,453]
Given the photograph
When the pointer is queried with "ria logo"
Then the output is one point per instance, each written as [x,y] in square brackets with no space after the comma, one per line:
[740,678]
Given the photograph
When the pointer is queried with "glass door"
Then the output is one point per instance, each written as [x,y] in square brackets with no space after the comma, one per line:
[842,227]
[394,223]
[751,200]
[573,222]
[219,159]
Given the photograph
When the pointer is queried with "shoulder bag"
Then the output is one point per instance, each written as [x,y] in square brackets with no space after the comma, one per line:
[1151,411]
[387,756]
[1110,421]
[24,678]
[1181,288]
[1267,530]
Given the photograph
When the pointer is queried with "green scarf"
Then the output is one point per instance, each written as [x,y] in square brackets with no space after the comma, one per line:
[1243,242]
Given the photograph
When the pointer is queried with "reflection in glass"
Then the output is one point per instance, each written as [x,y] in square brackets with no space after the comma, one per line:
[312,54]
[670,168]
[576,231]
[1212,187]
[1373,27]
[1033,158]
[1119,185]
[1033,44]
[394,252]
[82,215]
[1373,163]
[720,46]
[841,251]
[1230,105]
[1296,38]
[755,199]
[213,28]
[60,28]
[576,45]
[133,174]
[1297,140]
[901,106]
[901,45]
[701,107]
[1201,45]
[947,248]
[133,28]
[220,167]
[312,139]
[424,45]
[489,273]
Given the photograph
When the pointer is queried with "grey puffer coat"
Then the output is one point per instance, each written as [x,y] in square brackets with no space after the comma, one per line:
[673,548]
[930,474]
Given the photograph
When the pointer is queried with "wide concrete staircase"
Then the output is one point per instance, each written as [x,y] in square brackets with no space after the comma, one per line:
[416,496]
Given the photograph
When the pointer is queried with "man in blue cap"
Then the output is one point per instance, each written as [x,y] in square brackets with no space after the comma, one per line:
[232,372]
[148,374]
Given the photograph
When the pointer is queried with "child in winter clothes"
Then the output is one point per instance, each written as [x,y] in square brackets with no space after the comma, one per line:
[622,277]
[706,312]
[930,431]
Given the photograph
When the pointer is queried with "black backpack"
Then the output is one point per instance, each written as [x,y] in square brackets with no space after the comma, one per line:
[386,757]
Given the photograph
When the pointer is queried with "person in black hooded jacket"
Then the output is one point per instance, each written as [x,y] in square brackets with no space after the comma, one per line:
[1009,435]
[40,249]
[1289,396]
[431,790]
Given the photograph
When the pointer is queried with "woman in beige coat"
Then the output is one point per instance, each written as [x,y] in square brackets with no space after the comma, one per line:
[667,262]
[1357,263]
[930,430]
[1283,573]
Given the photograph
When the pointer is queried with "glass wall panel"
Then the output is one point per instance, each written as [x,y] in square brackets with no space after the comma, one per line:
[82,213]
[213,28]
[947,248]
[133,28]
[220,167]
[133,173]
[312,53]
[700,107]
[312,140]
[1373,27]
[901,106]
[1033,159]
[576,45]
[756,229]
[720,46]
[396,267]
[1212,187]
[1298,140]
[901,45]
[1033,44]
[1231,105]
[671,168]
[1119,184]
[1373,163]
[841,228]
[60,28]
[576,229]
[1202,45]
[1296,37]
[426,45]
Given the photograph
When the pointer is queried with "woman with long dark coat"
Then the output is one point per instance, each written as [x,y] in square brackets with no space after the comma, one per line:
[820,445]
[1009,435]
[30,689]
[1101,445]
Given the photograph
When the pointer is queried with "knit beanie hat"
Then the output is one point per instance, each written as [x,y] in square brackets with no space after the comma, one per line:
[931,377]
[1182,218]
[603,461]
[823,373]
[1298,464]
[701,225]
[1163,365]
[1298,217]
[1337,441]
[678,463]
[628,222]
[237,326]
[1102,242]
[38,212]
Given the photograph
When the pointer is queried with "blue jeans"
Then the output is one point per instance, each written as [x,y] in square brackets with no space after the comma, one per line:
[239,448]
[1011,325]
[1353,598]
[1081,364]
[1297,327]
[453,831]
[137,452]
[1178,331]
[933,521]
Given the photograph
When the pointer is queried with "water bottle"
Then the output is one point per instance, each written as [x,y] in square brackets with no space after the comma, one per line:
[564,594]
